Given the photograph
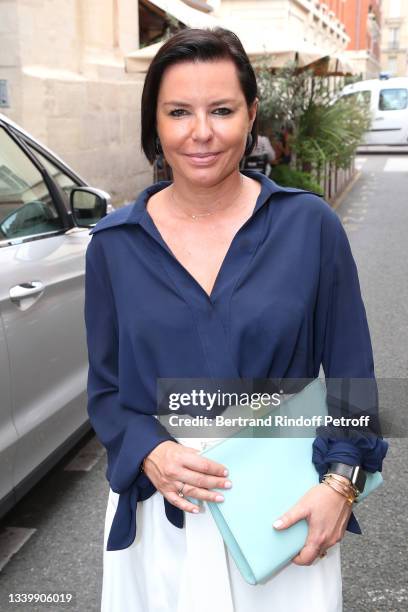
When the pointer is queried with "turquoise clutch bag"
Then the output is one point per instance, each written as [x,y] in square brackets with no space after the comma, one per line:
[268,476]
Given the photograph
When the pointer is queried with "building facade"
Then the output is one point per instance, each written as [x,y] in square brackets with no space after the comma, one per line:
[394,41]
[296,21]
[362,19]
[282,30]
[65,82]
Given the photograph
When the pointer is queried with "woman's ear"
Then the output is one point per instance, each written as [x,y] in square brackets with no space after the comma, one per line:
[252,110]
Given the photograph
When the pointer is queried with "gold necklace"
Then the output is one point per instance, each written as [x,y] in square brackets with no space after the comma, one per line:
[199,215]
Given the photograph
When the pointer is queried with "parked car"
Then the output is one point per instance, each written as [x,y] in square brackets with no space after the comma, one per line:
[388,100]
[45,211]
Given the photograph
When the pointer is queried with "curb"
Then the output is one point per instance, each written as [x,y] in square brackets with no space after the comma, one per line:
[336,203]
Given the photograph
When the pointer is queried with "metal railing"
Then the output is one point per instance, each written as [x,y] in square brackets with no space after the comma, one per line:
[333,180]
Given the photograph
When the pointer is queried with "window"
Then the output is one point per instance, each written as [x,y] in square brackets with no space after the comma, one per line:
[393,41]
[392,65]
[63,180]
[394,8]
[393,99]
[26,205]
[361,97]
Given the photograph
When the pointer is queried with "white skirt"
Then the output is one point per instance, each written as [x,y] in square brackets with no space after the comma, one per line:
[167,569]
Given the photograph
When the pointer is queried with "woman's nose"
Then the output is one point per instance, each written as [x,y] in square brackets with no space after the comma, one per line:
[202,129]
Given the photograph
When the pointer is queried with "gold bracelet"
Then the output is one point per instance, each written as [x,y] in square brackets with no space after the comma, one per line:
[349,499]
[336,486]
[344,486]
[347,489]
[330,483]
[347,484]
[340,478]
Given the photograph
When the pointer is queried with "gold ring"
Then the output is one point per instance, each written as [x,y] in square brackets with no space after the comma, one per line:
[180,491]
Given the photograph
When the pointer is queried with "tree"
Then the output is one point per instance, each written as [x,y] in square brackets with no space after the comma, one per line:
[325,127]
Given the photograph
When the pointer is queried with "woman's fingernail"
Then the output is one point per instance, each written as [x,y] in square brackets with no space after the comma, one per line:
[219,498]
[278,523]
[225,472]
[196,510]
[227,484]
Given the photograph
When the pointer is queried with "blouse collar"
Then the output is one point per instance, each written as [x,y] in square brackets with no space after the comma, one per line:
[131,214]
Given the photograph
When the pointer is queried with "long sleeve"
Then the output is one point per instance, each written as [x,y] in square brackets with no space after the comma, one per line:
[127,435]
[348,365]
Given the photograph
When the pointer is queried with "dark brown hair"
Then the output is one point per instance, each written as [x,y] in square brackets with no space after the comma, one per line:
[193,44]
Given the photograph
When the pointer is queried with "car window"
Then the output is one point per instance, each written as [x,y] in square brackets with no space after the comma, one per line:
[63,180]
[26,205]
[362,97]
[393,99]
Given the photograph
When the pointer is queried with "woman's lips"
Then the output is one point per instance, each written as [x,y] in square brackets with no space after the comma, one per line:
[202,159]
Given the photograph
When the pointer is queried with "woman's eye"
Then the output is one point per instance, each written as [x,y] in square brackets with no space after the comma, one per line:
[177,112]
[223,111]
[180,112]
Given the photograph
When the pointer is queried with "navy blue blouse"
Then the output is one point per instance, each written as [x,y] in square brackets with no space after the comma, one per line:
[286,300]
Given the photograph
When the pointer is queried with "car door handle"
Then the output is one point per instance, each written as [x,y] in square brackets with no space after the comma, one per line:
[25,290]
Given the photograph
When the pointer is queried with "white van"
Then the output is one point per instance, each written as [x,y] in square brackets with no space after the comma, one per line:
[388,100]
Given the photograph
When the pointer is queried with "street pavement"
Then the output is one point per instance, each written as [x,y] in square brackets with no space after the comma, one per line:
[375,215]
[61,520]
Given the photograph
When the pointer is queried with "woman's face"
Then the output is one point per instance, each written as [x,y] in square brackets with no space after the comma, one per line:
[203,120]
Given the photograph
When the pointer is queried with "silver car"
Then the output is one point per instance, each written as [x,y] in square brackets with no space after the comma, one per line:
[45,210]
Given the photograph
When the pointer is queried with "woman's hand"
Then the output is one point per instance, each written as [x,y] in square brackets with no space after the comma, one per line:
[171,464]
[327,513]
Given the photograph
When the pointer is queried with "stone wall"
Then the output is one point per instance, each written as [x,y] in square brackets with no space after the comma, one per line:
[94,125]
[68,87]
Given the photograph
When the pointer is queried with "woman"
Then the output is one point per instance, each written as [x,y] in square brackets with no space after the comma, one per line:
[265,150]
[219,274]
